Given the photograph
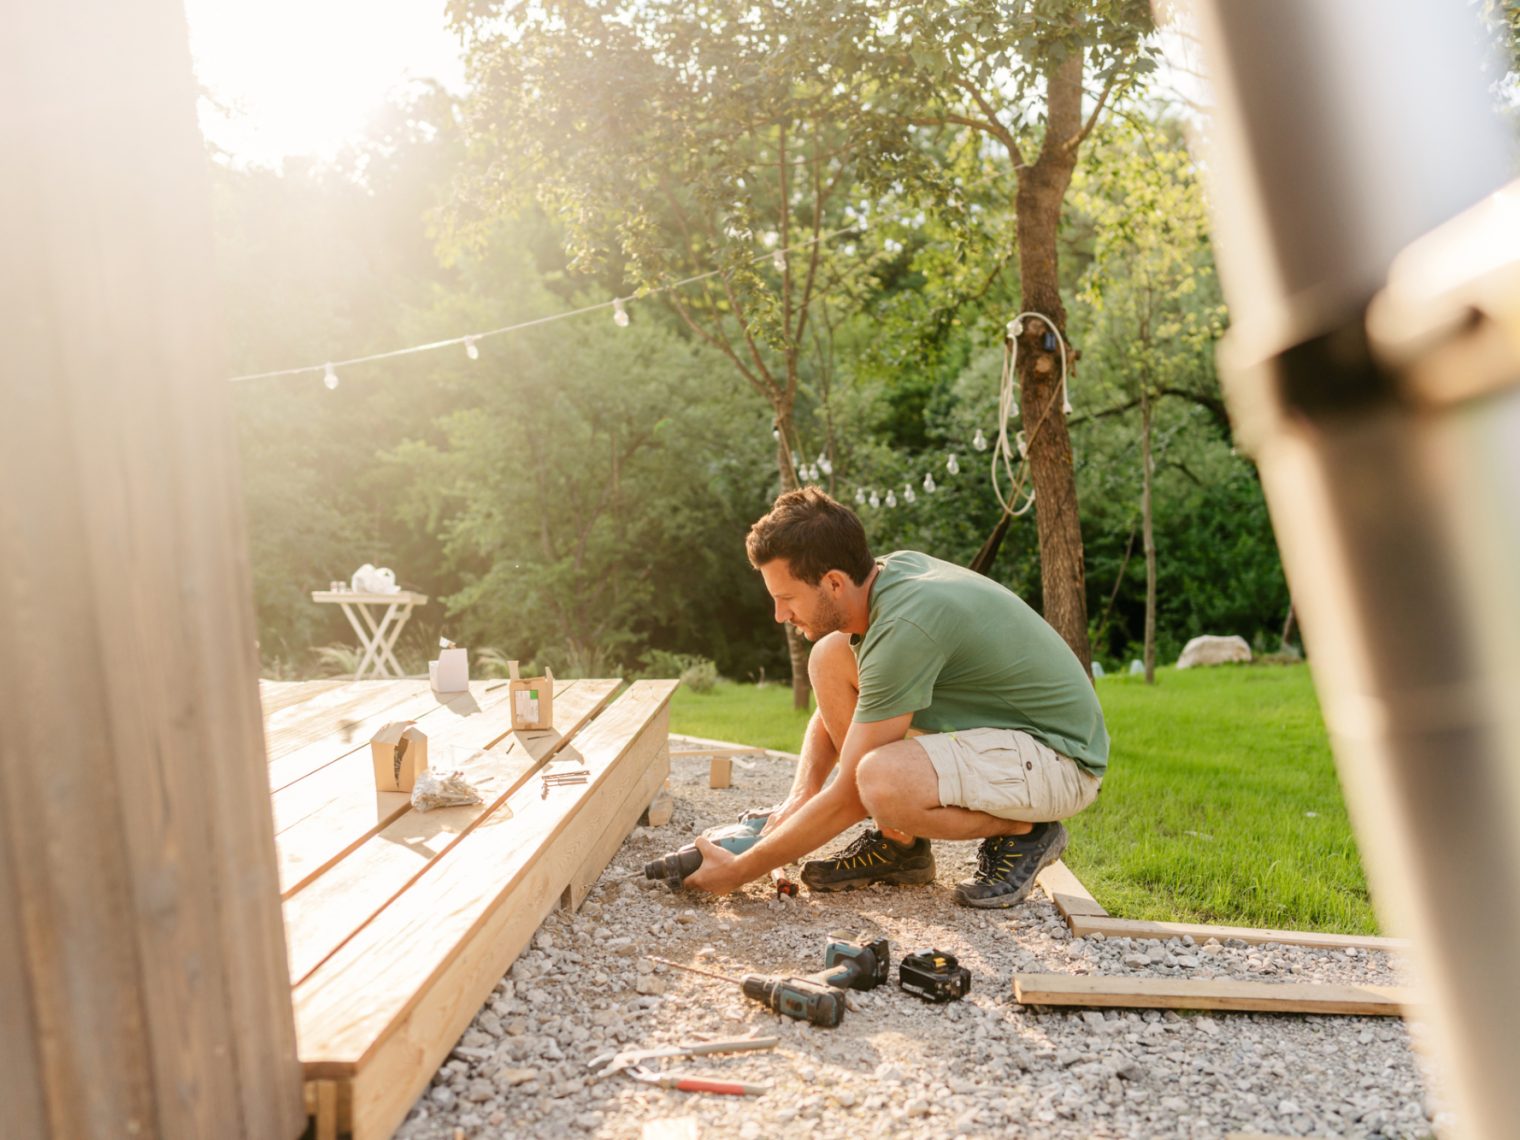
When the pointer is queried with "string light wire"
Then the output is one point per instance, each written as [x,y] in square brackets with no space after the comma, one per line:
[470,339]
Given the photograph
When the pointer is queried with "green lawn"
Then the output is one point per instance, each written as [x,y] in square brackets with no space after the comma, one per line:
[1221,802]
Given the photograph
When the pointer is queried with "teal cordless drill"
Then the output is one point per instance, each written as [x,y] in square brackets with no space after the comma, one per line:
[736,837]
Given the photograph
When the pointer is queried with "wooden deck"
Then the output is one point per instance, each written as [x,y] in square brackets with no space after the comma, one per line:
[399,923]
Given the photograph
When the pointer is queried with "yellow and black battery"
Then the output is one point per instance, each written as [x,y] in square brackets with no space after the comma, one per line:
[934,975]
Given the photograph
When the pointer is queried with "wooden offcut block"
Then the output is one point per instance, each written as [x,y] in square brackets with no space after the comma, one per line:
[720,772]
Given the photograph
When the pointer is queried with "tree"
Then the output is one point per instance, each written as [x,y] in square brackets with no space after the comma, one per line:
[1015,77]
[676,141]
[1155,312]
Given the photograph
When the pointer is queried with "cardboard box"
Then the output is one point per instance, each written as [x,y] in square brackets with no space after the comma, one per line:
[400,752]
[451,672]
[532,700]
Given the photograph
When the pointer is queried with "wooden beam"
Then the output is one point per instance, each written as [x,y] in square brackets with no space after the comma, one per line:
[1170,993]
[134,825]
[386,1008]
[1083,926]
[328,909]
[1064,889]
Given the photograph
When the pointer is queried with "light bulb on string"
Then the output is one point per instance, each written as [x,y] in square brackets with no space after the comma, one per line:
[1066,405]
[330,378]
[953,465]
[891,498]
[909,495]
[875,500]
[778,259]
[1023,445]
[860,496]
[979,441]
[471,349]
[824,465]
[619,314]
[929,484]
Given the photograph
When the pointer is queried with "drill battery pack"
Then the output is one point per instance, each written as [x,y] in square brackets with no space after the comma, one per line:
[933,975]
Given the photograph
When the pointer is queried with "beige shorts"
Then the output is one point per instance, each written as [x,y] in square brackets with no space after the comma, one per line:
[1007,773]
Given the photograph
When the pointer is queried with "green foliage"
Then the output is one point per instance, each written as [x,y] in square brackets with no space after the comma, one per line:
[697,673]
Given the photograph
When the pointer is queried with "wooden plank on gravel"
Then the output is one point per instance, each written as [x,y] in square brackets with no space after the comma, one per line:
[1067,892]
[1174,993]
[321,818]
[1083,926]
[386,1008]
[324,913]
[683,745]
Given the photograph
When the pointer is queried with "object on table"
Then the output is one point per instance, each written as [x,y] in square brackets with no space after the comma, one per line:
[400,752]
[451,672]
[443,789]
[370,579]
[532,700]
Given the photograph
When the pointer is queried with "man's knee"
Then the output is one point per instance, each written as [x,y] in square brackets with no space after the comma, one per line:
[883,781]
[831,660]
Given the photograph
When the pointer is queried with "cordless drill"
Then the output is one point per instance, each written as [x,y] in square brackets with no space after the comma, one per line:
[817,998]
[736,837]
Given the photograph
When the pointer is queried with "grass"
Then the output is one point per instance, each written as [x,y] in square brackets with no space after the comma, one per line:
[1221,803]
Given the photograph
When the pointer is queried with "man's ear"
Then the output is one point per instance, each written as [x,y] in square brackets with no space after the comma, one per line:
[836,580]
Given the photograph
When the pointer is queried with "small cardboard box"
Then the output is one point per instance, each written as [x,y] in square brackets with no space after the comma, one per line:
[451,672]
[532,700]
[400,752]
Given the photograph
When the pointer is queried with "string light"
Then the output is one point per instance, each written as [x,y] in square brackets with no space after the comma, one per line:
[330,377]
[824,464]
[619,314]
[778,259]
[471,349]
[929,484]
[860,496]
[979,441]
[953,465]
[909,495]
[891,498]
[875,500]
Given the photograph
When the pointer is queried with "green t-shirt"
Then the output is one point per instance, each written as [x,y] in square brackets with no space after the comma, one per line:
[957,650]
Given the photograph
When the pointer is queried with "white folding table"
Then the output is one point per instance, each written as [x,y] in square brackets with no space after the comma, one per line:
[377,634]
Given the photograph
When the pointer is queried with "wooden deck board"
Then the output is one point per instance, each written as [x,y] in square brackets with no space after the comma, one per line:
[277,695]
[327,814]
[343,1009]
[1083,926]
[566,830]
[399,923]
[417,702]
[327,910]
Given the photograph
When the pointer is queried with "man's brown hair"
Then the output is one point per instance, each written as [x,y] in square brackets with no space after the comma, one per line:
[815,534]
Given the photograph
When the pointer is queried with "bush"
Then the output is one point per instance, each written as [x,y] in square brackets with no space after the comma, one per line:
[699,674]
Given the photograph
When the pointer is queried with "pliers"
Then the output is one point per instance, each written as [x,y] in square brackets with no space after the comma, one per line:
[631,1062]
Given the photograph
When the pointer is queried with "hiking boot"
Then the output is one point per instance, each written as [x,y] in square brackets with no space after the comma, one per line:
[1007,864]
[872,858]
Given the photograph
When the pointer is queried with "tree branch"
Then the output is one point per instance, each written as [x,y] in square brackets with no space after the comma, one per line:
[1077,139]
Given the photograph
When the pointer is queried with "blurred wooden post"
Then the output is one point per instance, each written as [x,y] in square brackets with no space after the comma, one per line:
[143,989]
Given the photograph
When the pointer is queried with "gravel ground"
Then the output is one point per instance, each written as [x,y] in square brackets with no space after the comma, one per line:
[984,1066]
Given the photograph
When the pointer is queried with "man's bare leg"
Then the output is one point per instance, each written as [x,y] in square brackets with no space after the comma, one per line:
[900,789]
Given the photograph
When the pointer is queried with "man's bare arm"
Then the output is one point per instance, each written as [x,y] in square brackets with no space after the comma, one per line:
[817,821]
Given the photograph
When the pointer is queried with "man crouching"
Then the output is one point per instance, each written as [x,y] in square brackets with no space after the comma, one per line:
[951,708]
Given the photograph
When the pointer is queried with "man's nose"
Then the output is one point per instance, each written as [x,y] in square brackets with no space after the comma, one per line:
[782,613]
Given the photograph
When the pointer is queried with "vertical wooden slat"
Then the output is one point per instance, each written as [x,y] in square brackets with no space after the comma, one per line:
[20,1063]
[137,828]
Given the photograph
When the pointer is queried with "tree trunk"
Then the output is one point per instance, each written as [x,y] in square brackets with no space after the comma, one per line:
[1041,190]
[1287,630]
[796,644]
[1148,470]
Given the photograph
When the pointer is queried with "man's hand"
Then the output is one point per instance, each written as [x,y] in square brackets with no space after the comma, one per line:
[717,874]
